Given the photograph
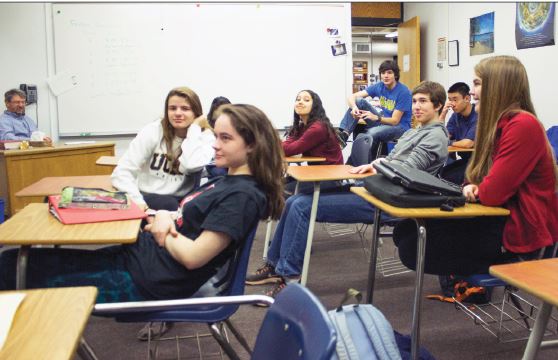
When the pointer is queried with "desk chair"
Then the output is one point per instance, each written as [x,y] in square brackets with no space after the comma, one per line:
[296,325]
[510,319]
[552,134]
[229,281]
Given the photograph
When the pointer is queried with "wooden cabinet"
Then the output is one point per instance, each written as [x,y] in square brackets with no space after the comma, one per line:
[360,75]
[21,168]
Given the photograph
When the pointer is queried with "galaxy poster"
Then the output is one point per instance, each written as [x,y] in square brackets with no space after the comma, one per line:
[534,24]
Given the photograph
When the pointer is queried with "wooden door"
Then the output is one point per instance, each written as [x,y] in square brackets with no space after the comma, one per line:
[408,52]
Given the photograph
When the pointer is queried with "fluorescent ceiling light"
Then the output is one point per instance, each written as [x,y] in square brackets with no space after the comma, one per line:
[392,35]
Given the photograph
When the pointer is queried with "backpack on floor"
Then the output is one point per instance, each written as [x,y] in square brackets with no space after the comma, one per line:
[363,332]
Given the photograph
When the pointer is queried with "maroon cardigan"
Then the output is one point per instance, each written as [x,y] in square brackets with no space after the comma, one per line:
[522,180]
[315,140]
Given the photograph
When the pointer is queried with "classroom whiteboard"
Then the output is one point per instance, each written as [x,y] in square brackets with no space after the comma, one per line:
[124,58]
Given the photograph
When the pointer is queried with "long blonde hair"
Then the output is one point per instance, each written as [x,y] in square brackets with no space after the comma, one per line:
[266,160]
[505,92]
[168,131]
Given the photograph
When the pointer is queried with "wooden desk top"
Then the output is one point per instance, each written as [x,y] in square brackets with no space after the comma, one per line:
[34,225]
[107,161]
[49,323]
[537,277]
[55,148]
[469,210]
[459,149]
[54,185]
[323,173]
[300,159]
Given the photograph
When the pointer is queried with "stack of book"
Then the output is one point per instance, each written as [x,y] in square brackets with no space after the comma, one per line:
[9,144]
[83,205]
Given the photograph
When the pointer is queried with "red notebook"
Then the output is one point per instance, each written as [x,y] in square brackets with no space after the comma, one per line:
[84,216]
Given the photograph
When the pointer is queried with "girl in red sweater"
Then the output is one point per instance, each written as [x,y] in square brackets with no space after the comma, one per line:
[513,166]
[311,135]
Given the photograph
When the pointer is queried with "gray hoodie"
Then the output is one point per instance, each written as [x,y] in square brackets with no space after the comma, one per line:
[424,148]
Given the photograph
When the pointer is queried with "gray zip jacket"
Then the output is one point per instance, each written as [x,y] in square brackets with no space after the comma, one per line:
[424,148]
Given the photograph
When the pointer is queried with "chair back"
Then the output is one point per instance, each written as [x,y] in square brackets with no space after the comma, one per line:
[552,134]
[232,283]
[296,326]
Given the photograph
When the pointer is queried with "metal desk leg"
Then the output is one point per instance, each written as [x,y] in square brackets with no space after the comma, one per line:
[373,255]
[537,332]
[421,247]
[21,270]
[310,237]
[268,230]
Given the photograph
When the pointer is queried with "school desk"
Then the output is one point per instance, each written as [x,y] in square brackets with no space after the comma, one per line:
[301,159]
[34,225]
[111,161]
[49,323]
[54,185]
[291,160]
[317,174]
[459,149]
[539,278]
[21,168]
[419,215]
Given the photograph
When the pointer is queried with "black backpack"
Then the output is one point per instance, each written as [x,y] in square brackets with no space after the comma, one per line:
[412,188]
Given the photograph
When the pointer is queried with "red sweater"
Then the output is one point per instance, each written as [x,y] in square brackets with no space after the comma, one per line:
[522,180]
[315,140]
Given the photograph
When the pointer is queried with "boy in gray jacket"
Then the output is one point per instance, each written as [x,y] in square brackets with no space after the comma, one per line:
[424,148]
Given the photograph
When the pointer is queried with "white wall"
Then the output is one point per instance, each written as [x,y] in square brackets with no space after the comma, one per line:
[24,55]
[451,20]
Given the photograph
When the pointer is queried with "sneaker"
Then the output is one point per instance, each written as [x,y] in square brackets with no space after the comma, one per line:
[264,275]
[158,329]
[342,137]
[272,291]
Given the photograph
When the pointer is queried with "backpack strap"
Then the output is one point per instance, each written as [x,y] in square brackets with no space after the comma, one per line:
[379,332]
[345,347]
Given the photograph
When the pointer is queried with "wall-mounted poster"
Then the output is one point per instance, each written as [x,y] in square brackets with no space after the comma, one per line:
[481,34]
[534,25]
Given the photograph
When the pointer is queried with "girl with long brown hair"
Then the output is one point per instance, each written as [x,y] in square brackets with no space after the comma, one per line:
[513,166]
[178,253]
[164,161]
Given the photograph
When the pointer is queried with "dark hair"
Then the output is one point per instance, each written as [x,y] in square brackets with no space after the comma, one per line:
[8,95]
[266,159]
[168,131]
[317,113]
[390,65]
[460,87]
[435,91]
[218,101]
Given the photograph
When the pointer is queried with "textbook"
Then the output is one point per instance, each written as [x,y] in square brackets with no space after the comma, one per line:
[77,197]
[70,216]
[9,144]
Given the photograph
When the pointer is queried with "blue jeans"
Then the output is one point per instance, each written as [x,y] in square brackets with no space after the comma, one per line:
[286,251]
[46,268]
[379,131]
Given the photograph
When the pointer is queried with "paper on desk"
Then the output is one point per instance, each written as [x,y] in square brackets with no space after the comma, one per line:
[9,304]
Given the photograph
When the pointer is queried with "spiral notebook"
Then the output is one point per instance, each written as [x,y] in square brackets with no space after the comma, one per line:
[83,215]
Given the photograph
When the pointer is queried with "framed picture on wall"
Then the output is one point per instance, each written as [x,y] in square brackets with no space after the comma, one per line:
[453,53]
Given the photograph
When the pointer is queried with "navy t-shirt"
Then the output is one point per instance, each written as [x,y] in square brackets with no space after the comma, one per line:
[461,127]
[228,204]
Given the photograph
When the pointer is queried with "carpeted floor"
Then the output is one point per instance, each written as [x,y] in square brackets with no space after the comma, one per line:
[337,263]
